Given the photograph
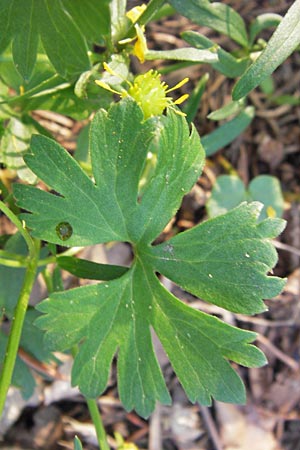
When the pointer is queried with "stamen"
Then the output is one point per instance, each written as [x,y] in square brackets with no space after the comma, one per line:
[107,87]
[109,70]
[181,99]
[178,85]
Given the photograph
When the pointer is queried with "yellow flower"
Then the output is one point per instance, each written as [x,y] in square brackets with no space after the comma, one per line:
[149,92]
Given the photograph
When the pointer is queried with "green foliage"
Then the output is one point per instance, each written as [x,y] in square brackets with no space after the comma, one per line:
[30,343]
[77,443]
[229,191]
[62,27]
[119,314]
[283,42]
[125,182]
[227,132]
[214,15]
[227,64]
[11,279]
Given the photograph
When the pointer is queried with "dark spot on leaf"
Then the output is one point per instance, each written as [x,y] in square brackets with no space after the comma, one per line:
[64,230]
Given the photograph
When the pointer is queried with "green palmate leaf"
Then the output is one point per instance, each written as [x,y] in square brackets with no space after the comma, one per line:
[282,43]
[107,210]
[61,26]
[215,259]
[215,15]
[117,316]
[229,191]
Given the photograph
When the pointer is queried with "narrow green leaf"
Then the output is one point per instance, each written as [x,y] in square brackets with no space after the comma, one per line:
[227,64]
[282,43]
[215,15]
[227,132]
[91,17]
[286,100]
[6,23]
[89,269]
[62,40]
[232,108]
[77,444]
[262,22]
[25,42]
[192,104]
[184,54]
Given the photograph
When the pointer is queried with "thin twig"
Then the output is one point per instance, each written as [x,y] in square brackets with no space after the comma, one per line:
[286,247]
[211,427]
[294,365]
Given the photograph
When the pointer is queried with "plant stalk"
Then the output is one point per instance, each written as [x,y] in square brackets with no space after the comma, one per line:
[95,415]
[98,423]
[21,308]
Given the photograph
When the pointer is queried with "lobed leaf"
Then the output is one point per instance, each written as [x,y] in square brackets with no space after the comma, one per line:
[224,260]
[117,317]
[109,208]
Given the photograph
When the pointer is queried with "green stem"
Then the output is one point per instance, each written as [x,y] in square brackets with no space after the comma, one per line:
[18,261]
[95,414]
[97,420]
[21,308]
